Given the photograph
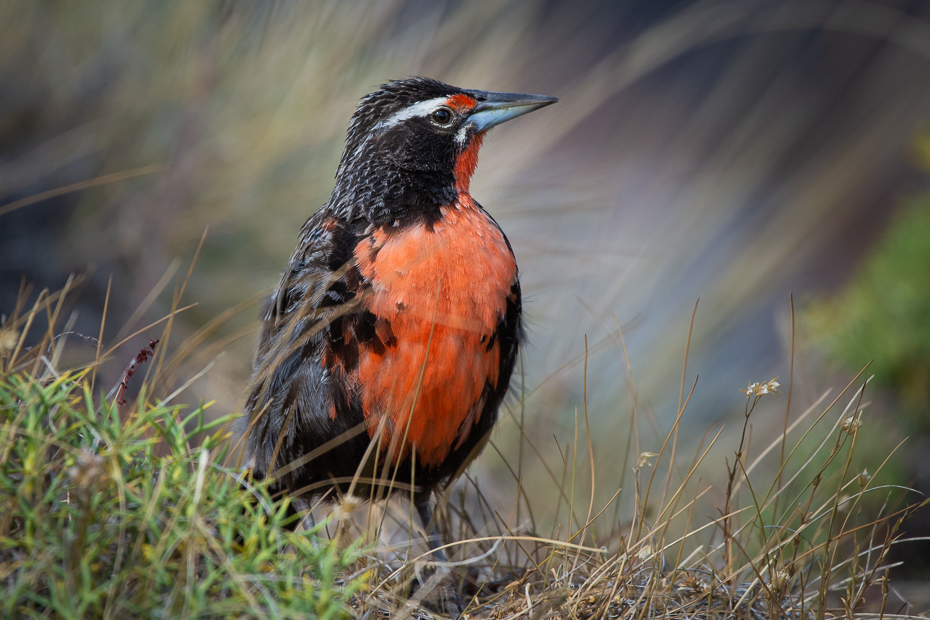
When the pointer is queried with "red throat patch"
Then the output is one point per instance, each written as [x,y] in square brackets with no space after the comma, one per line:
[466,163]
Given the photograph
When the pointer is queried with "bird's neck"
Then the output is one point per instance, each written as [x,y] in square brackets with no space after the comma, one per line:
[385,192]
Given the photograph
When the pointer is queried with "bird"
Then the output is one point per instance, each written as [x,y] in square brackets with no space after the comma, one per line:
[388,346]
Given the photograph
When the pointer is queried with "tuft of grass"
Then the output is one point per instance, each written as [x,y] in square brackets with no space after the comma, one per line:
[110,510]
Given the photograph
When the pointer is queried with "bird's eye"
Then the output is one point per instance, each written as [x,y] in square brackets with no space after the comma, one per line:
[442,117]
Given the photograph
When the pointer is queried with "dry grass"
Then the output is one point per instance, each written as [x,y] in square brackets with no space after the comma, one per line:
[800,544]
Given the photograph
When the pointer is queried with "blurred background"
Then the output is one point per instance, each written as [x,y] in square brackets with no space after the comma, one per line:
[735,152]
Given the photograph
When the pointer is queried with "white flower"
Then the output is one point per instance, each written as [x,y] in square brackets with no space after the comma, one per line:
[761,389]
[644,459]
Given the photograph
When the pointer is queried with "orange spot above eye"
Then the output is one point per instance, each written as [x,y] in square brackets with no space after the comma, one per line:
[461,102]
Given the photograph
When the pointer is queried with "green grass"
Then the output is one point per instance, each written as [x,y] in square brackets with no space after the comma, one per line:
[109,513]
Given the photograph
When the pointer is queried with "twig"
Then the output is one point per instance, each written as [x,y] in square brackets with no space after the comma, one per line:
[143,356]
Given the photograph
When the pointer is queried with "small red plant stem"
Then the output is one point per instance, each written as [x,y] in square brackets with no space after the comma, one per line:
[144,355]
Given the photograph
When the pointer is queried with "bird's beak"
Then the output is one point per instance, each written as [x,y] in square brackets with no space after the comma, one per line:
[495,108]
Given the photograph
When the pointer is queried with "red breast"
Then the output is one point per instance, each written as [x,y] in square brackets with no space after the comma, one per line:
[442,290]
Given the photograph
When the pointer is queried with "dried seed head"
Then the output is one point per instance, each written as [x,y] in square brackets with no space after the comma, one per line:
[851,425]
[864,478]
[644,459]
[88,471]
[343,510]
[8,339]
[780,579]
[760,389]
[645,553]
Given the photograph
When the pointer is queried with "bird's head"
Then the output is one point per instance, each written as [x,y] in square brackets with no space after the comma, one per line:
[423,135]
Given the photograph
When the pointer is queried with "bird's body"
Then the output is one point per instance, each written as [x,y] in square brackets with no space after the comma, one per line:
[390,341]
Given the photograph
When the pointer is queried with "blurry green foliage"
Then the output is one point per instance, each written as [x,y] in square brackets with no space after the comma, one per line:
[883,314]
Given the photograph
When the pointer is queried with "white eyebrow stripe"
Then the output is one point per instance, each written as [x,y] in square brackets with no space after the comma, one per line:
[418,109]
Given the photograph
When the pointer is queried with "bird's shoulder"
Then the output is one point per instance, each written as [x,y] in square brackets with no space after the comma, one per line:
[320,274]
